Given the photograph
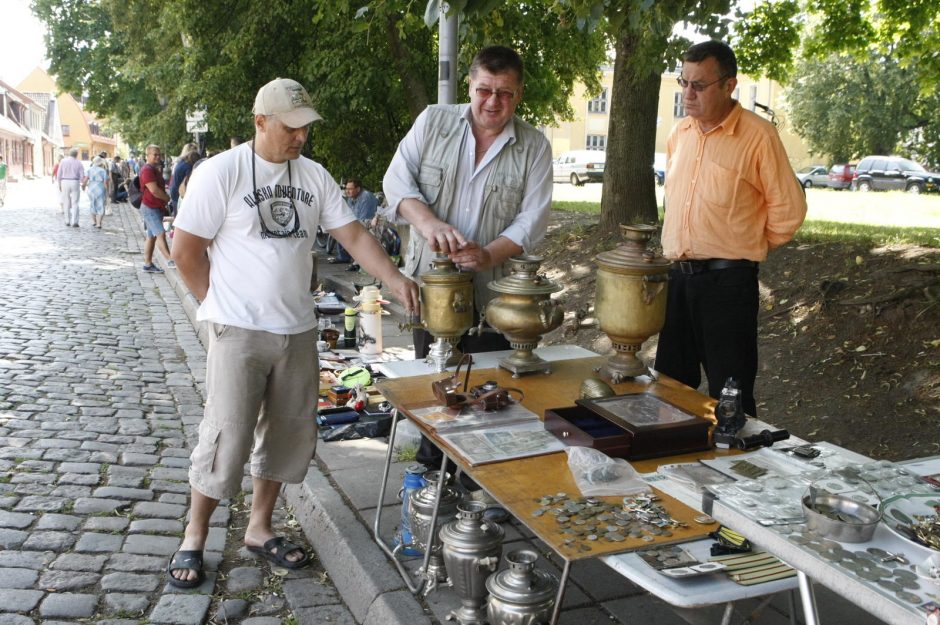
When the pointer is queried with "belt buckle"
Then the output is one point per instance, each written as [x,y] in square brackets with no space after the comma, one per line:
[686,267]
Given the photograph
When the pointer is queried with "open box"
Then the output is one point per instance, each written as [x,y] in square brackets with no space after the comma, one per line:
[634,426]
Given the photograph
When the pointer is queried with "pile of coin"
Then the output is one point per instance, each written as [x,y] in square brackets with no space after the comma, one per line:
[584,520]
[667,557]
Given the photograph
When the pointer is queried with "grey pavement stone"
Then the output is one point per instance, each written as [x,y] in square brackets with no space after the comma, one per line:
[220,517]
[231,609]
[152,509]
[19,600]
[179,475]
[156,526]
[25,559]
[79,562]
[115,492]
[49,541]
[130,582]
[243,578]
[16,520]
[40,504]
[178,609]
[18,578]
[80,479]
[15,619]
[333,614]
[79,467]
[261,620]
[70,492]
[146,544]
[215,541]
[136,563]
[90,505]
[268,604]
[306,593]
[396,607]
[67,580]
[58,522]
[99,543]
[174,498]
[106,524]
[69,605]
[176,463]
[125,603]
[163,486]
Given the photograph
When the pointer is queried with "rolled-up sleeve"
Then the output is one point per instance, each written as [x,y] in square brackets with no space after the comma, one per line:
[401,178]
[528,228]
[784,196]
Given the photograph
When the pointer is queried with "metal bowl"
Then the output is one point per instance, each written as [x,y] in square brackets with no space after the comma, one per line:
[840,518]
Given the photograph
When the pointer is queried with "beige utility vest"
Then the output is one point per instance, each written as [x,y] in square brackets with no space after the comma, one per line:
[502,197]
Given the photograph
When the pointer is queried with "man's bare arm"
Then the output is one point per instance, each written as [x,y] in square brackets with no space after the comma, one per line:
[189,253]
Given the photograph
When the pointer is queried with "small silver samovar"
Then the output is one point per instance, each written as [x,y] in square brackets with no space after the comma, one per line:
[523,311]
[472,548]
[446,309]
[522,594]
[630,302]
[420,515]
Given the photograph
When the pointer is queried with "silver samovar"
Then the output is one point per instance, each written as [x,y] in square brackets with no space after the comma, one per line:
[523,311]
[446,309]
[522,594]
[630,303]
[420,516]
[472,548]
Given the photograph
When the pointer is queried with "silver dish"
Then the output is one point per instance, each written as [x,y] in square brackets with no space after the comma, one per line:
[840,518]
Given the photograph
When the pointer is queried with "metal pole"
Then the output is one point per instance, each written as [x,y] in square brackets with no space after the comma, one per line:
[447,57]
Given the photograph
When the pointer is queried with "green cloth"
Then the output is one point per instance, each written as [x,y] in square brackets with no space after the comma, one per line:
[3,171]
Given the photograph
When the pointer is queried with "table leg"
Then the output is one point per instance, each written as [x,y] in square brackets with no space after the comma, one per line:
[791,605]
[414,588]
[808,598]
[560,595]
[728,613]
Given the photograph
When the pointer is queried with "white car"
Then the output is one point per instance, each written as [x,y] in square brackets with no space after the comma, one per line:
[579,166]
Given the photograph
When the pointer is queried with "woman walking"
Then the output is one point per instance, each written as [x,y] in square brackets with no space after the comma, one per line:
[99,190]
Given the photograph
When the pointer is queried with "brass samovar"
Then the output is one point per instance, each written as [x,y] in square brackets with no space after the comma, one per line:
[630,303]
[523,311]
[446,309]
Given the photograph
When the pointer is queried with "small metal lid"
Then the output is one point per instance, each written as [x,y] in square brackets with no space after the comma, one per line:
[634,255]
[522,584]
[524,278]
[445,272]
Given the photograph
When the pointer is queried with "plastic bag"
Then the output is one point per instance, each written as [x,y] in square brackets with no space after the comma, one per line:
[597,474]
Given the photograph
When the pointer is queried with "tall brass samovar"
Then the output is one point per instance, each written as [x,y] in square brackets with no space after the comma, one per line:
[446,309]
[523,311]
[630,302]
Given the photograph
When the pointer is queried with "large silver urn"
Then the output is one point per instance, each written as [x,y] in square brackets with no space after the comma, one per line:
[472,549]
[521,594]
[420,515]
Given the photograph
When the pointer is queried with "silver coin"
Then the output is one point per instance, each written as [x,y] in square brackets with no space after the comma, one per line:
[562,518]
[878,553]
[869,575]
[908,596]
[647,538]
[908,584]
[888,584]
[906,575]
[592,537]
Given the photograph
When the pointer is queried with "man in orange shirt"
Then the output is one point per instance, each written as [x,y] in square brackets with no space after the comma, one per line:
[731,196]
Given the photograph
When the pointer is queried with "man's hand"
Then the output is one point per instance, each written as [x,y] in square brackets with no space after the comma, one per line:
[406,292]
[472,257]
[442,237]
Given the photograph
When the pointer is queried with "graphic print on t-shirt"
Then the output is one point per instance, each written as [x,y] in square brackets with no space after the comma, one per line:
[277,210]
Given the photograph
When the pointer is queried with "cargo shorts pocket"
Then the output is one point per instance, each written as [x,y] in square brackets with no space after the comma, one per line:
[203,456]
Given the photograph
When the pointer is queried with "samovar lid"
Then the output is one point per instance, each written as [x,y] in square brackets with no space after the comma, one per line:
[522,583]
[445,272]
[633,254]
[524,279]
[470,530]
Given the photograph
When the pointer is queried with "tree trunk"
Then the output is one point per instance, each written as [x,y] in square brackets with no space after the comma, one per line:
[415,94]
[629,194]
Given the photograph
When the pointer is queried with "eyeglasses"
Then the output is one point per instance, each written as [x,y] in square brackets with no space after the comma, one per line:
[503,94]
[267,233]
[697,86]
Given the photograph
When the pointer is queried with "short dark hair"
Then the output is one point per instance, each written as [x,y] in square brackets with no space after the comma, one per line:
[355,182]
[718,50]
[498,60]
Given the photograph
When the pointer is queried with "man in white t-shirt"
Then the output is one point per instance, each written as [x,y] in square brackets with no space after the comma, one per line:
[242,245]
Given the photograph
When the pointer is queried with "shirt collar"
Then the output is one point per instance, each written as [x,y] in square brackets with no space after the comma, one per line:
[509,130]
[729,123]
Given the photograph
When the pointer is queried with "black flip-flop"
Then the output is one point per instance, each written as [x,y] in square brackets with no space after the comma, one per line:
[276,550]
[186,560]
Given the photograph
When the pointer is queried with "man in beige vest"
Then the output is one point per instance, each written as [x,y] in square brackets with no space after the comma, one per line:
[475,182]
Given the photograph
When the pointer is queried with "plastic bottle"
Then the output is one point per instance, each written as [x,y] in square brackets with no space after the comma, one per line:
[349,329]
[370,321]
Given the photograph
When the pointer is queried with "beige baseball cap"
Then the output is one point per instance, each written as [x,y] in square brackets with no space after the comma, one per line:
[288,100]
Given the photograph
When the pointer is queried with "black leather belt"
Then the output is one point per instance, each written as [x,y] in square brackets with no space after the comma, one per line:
[690,267]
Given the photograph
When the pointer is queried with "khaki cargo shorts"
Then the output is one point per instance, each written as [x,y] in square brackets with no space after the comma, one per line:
[261,405]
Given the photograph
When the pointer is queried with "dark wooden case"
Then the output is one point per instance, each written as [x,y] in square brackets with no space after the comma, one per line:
[634,426]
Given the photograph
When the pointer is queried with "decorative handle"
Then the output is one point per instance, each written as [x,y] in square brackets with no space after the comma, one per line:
[653,286]
[547,308]
[459,303]
[478,330]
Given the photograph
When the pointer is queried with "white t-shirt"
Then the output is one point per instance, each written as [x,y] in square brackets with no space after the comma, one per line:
[258,280]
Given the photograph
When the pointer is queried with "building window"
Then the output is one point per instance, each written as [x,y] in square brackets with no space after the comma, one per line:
[678,109]
[598,104]
[596,142]
[66,130]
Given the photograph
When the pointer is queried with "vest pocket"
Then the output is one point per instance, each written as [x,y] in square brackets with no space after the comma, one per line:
[430,179]
[508,203]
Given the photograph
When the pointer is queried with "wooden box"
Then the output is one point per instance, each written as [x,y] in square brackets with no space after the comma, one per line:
[634,426]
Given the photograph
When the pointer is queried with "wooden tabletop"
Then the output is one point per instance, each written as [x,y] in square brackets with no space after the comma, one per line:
[519,484]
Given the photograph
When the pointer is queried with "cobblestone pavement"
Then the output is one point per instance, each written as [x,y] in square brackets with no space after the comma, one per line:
[101,389]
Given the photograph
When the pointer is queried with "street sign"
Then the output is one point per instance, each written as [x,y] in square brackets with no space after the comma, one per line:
[196,121]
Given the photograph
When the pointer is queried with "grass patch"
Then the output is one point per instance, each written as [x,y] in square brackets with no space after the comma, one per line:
[819,231]
[590,208]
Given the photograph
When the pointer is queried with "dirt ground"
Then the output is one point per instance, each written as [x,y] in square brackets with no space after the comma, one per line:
[849,336]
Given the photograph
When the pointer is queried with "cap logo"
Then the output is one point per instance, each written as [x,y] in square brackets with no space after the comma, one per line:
[298,97]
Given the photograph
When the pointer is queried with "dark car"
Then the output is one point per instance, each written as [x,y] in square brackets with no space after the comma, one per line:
[894,173]
[840,176]
[813,176]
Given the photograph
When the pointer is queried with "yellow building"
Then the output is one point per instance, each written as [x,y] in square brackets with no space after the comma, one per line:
[80,129]
[589,128]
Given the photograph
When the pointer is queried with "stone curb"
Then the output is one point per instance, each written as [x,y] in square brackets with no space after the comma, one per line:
[368,583]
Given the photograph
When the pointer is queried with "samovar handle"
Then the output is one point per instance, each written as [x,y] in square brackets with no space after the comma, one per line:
[653,286]
[478,329]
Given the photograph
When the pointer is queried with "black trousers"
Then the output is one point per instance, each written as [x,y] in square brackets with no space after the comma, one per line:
[428,453]
[711,323]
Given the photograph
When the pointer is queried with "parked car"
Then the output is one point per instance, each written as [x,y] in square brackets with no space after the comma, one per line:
[579,166]
[813,176]
[893,173]
[840,176]
[659,168]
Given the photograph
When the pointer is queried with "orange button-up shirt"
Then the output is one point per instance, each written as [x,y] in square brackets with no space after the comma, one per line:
[731,192]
